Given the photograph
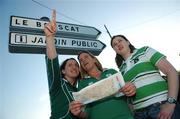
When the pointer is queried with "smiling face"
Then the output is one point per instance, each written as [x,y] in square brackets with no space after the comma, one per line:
[87,62]
[121,46]
[71,69]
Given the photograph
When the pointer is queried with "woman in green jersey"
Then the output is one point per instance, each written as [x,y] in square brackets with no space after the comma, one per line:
[155,97]
[107,108]
[61,80]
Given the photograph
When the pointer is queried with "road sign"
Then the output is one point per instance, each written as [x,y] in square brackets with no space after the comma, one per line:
[29,43]
[36,26]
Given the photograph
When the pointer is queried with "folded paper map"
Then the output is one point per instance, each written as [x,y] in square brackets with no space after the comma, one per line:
[101,89]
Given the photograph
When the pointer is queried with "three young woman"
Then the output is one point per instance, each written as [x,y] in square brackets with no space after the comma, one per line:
[155,97]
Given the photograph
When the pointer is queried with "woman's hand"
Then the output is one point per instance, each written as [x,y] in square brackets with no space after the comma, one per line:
[166,111]
[50,28]
[76,108]
[129,89]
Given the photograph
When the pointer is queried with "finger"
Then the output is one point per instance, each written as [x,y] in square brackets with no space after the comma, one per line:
[126,86]
[128,93]
[54,15]
[131,87]
[53,22]
[75,105]
[49,29]
[131,93]
[125,89]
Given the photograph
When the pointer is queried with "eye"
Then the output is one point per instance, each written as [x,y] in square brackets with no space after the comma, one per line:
[76,64]
[70,64]
[86,57]
[80,60]
[114,44]
[119,40]
[83,58]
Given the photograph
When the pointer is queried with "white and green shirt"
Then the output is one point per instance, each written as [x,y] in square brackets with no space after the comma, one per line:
[140,68]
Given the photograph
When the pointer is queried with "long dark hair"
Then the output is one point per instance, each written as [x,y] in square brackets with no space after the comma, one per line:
[62,67]
[119,59]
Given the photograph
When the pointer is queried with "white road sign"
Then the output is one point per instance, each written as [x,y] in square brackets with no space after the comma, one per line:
[21,23]
[35,44]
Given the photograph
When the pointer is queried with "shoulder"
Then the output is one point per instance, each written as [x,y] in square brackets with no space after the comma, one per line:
[144,50]
[151,51]
[109,70]
[85,82]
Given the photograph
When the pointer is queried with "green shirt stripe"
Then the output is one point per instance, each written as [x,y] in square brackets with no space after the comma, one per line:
[140,65]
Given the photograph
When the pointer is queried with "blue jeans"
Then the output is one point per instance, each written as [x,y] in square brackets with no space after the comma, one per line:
[152,111]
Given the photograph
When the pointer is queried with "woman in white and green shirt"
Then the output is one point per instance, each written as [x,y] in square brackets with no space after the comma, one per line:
[141,66]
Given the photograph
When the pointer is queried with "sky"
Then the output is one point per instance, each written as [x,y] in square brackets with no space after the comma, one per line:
[23,78]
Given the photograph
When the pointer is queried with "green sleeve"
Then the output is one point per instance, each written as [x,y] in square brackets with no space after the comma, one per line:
[53,72]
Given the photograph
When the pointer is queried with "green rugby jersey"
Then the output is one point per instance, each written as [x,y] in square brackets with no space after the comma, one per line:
[140,69]
[60,91]
[107,108]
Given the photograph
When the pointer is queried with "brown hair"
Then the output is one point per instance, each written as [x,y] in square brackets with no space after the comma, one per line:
[97,63]
[119,59]
[62,67]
